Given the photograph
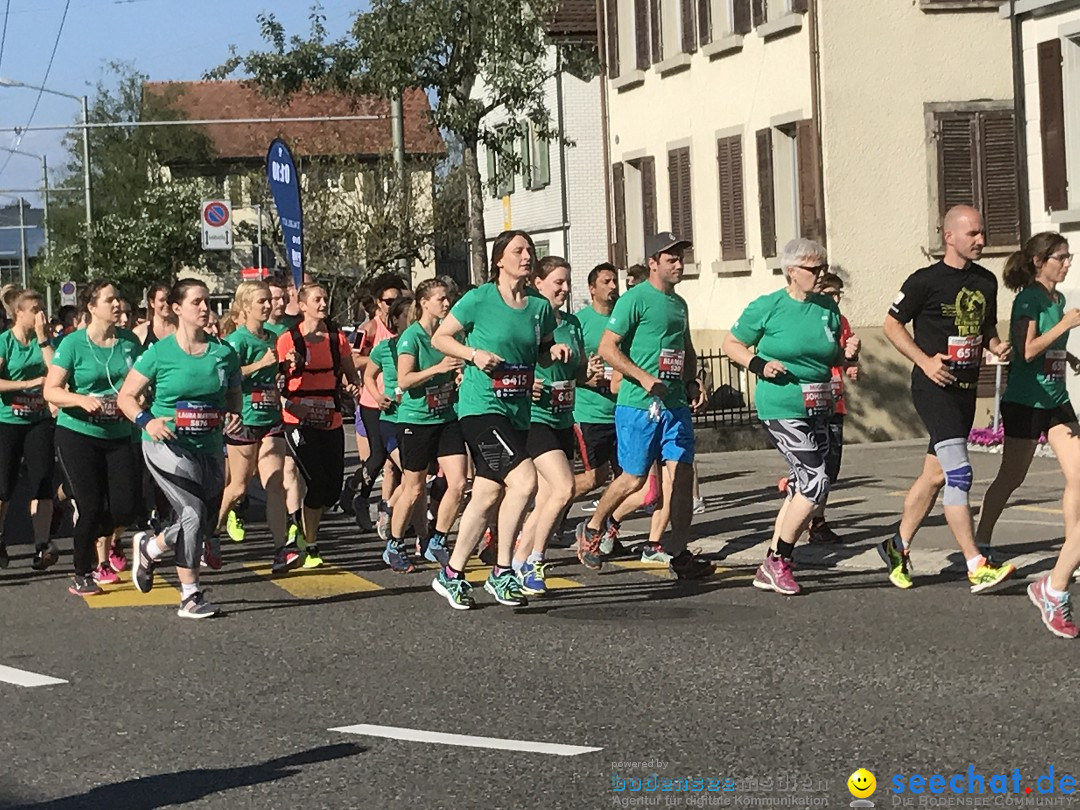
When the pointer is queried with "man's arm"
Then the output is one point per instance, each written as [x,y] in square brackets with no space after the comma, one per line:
[613,355]
[933,367]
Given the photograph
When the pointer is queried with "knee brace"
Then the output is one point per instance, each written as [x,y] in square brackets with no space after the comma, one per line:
[953,457]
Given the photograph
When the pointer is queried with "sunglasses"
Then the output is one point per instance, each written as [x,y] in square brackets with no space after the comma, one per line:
[1062,257]
[816,269]
[389,301]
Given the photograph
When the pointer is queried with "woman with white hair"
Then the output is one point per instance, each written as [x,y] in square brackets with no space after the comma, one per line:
[796,335]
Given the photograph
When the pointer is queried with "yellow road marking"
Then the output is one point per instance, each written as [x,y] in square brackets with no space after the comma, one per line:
[323,582]
[123,594]
[1047,510]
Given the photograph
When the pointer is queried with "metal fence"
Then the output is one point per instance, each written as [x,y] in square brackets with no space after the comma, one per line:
[731,392]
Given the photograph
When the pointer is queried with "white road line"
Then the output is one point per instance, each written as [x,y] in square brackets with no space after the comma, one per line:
[466,740]
[20,677]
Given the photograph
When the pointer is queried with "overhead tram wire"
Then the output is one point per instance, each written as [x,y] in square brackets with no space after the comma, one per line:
[3,34]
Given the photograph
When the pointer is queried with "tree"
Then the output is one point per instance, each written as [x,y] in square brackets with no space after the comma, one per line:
[451,48]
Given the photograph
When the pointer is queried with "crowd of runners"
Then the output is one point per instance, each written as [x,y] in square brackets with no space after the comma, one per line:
[472,406]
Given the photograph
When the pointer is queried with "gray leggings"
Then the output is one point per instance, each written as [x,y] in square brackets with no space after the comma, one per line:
[192,482]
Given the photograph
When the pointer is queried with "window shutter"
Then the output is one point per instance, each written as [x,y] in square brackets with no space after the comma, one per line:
[1000,190]
[541,170]
[647,167]
[1052,126]
[956,161]
[656,31]
[810,216]
[641,33]
[758,10]
[682,220]
[613,38]
[525,150]
[492,182]
[704,21]
[689,30]
[618,186]
[799,6]
[732,209]
[742,16]
[766,192]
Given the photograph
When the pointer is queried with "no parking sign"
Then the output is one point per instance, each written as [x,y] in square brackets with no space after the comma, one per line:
[216,225]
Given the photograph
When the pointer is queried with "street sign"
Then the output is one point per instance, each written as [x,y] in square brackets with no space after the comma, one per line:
[68,293]
[216,225]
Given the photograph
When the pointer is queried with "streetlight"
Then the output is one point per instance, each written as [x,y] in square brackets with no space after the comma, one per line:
[45,198]
[86,141]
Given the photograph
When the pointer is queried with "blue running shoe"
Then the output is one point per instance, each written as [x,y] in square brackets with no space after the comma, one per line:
[436,550]
[397,557]
[505,588]
[531,578]
[458,592]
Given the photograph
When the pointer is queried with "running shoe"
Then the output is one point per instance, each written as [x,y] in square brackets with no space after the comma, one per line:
[5,559]
[588,546]
[117,560]
[312,557]
[531,578]
[142,567]
[489,547]
[505,588]
[345,501]
[699,506]
[988,552]
[397,557]
[45,556]
[235,527]
[689,566]
[987,576]
[436,550]
[775,575]
[590,507]
[212,552]
[610,539]
[104,575]
[458,592]
[821,532]
[897,563]
[1056,612]
[84,585]
[362,513]
[196,607]
[561,539]
[293,535]
[382,525]
[285,559]
[654,553]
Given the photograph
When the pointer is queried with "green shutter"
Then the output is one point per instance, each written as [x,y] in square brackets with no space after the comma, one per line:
[542,171]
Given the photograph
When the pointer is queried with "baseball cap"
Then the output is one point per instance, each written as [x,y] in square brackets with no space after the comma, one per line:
[665,242]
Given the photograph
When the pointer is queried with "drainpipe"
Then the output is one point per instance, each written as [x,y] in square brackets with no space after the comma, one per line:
[601,43]
[1023,202]
[815,111]
[562,155]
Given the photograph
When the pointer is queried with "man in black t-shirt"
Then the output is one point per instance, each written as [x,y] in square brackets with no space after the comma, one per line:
[952,306]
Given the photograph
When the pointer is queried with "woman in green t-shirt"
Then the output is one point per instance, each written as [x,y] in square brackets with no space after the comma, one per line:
[1035,402]
[551,438]
[94,442]
[196,381]
[258,442]
[26,426]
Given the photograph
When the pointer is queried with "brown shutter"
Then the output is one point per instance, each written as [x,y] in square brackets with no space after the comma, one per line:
[689,33]
[956,161]
[810,214]
[682,219]
[732,208]
[1000,190]
[704,21]
[618,185]
[766,192]
[758,10]
[799,6]
[612,36]
[1052,126]
[647,167]
[641,33]
[656,31]
[742,16]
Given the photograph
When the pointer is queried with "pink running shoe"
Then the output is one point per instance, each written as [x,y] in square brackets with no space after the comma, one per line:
[117,560]
[775,575]
[104,575]
[1056,612]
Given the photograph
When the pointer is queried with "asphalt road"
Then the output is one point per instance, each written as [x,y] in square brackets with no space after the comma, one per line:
[777,699]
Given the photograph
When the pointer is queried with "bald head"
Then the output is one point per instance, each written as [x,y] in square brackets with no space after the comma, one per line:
[963,233]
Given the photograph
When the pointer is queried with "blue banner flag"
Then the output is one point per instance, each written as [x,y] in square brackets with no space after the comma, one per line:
[285,187]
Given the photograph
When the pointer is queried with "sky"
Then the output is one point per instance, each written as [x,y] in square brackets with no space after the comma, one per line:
[164,39]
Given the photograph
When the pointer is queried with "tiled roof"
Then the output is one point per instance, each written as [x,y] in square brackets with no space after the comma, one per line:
[575,19]
[237,99]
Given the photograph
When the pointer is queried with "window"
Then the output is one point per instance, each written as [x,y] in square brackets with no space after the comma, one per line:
[499,178]
[634,192]
[722,18]
[542,249]
[764,11]
[535,160]
[789,185]
[729,159]
[679,189]
[976,165]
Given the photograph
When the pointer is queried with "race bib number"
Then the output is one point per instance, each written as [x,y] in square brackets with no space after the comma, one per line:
[1054,362]
[512,381]
[27,404]
[109,412]
[196,418]
[438,397]
[264,397]
[562,396]
[965,352]
[671,364]
[320,413]
[818,399]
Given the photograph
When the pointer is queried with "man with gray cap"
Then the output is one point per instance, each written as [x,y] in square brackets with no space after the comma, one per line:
[647,341]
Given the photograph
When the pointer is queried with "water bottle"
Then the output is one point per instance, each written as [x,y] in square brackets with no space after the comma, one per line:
[655,406]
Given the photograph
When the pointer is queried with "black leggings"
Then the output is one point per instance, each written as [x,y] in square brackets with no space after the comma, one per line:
[103,478]
[320,456]
[376,448]
[33,444]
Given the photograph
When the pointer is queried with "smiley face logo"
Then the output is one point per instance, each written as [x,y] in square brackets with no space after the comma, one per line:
[862,784]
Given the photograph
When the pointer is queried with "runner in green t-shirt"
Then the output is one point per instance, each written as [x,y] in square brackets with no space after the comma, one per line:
[196,382]
[1036,403]
[647,341]
[428,429]
[94,442]
[507,328]
[26,427]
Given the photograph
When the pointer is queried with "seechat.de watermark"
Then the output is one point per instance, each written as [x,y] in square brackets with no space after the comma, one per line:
[917,788]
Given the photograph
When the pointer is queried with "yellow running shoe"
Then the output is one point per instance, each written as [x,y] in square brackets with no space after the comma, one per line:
[897,564]
[235,527]
[312,558]
[987,576]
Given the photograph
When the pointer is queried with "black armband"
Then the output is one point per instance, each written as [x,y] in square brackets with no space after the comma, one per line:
[756,366]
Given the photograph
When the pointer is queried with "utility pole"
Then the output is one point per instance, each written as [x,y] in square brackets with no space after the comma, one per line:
[22,246]
[86,173]
[397,135]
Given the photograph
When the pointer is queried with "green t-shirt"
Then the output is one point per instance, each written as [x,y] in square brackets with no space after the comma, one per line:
[21,363]
[190,390]
[805,337]
[98,372]
[262,399]
[385,355]
[655,328]
[276,329]
[488,323]
[431,402]
[1039,383]
[555,407]
[594,405]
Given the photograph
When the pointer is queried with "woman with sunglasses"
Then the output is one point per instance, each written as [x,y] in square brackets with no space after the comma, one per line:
[796,334]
